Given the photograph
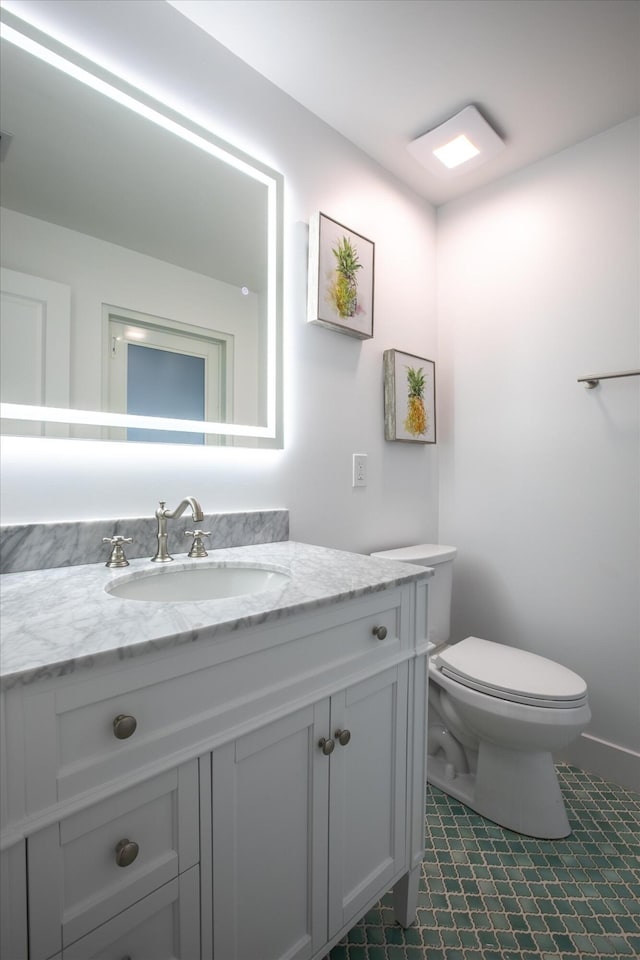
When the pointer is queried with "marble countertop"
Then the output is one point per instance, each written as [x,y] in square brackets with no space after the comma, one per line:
[55,621]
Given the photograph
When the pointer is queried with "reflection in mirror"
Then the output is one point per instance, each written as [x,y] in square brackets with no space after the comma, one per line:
[155,367]
[140,263]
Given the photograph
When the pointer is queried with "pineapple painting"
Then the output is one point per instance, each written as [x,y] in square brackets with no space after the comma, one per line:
[343,291]
[341,272]
[416,422]
[409,397]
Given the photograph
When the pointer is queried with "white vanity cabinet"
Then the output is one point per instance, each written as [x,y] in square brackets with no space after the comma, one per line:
[309,821]
[248,796]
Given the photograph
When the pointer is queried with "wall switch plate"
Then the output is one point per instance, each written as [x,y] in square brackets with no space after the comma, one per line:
[359,470]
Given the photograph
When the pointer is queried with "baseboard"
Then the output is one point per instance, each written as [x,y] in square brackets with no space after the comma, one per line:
[606,760]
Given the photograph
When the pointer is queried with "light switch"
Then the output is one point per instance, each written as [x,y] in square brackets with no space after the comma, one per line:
[359,470]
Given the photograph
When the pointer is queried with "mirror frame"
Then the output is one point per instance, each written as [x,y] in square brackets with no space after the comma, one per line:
[40,44]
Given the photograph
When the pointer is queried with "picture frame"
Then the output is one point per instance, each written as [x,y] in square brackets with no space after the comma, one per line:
[409,397]
[341,278]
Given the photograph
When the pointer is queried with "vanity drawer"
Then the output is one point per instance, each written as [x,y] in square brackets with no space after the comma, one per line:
[100,861]
[163,926]
[81,736]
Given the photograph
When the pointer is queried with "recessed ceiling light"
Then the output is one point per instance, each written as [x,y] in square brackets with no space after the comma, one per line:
[463,142]
[457,151]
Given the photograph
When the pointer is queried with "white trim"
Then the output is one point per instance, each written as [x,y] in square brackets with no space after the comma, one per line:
[608,760]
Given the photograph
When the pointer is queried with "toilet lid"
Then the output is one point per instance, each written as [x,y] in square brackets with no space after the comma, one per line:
[511,674]
[430,554]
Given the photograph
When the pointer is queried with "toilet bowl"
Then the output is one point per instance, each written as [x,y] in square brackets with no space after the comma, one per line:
[508,732]
[496,715]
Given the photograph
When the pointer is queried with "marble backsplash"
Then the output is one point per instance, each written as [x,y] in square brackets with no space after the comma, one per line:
[40,546]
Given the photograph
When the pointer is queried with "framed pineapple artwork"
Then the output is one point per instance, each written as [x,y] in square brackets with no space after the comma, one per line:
[409,397]
[341,263]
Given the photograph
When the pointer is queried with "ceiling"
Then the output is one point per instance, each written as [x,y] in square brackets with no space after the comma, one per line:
[545,73]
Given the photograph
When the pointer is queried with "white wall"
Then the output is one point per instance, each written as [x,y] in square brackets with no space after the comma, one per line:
[333,384]
[539,478]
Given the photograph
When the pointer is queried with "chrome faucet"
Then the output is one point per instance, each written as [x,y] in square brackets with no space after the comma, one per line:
[162,515]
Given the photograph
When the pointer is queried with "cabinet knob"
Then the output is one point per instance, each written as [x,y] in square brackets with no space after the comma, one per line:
[379,632]
[124,726]
[343,737]
[326,745]
[126,852]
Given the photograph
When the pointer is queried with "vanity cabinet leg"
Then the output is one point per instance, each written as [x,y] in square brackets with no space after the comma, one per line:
[405,897]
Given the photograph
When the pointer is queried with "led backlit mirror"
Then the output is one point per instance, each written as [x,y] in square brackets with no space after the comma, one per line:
[141,263]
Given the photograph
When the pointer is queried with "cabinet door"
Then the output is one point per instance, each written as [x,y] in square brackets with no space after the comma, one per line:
[367,836]
[13,903]
[270,810]
[163,926]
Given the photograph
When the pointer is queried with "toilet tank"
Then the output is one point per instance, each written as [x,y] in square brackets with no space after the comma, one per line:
[440,558]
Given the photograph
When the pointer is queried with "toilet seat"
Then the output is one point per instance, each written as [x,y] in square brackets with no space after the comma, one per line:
[509,674]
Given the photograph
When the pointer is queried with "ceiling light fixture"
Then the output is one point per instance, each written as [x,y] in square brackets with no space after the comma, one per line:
[462,143]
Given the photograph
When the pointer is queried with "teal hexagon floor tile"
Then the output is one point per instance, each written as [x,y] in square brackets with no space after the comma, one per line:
[491,894]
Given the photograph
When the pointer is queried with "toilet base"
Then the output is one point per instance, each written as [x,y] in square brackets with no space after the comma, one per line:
[515,789]
[462,787]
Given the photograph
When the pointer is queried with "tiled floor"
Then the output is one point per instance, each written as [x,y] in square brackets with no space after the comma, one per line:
[489,894]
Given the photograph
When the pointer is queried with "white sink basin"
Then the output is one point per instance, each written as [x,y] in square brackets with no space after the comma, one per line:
[203,582]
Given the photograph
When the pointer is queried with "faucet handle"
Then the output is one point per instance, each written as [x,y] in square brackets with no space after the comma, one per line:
[197,548]
[117,557]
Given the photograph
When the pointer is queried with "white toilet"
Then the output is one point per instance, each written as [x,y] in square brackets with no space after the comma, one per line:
[496,715]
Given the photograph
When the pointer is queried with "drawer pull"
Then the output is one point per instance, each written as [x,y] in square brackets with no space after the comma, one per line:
[343,737]
[379,632]
[326,745]
[126,852]
[124,726]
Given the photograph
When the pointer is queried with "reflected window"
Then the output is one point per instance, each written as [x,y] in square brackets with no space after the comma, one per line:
[163,368]
[161,383]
